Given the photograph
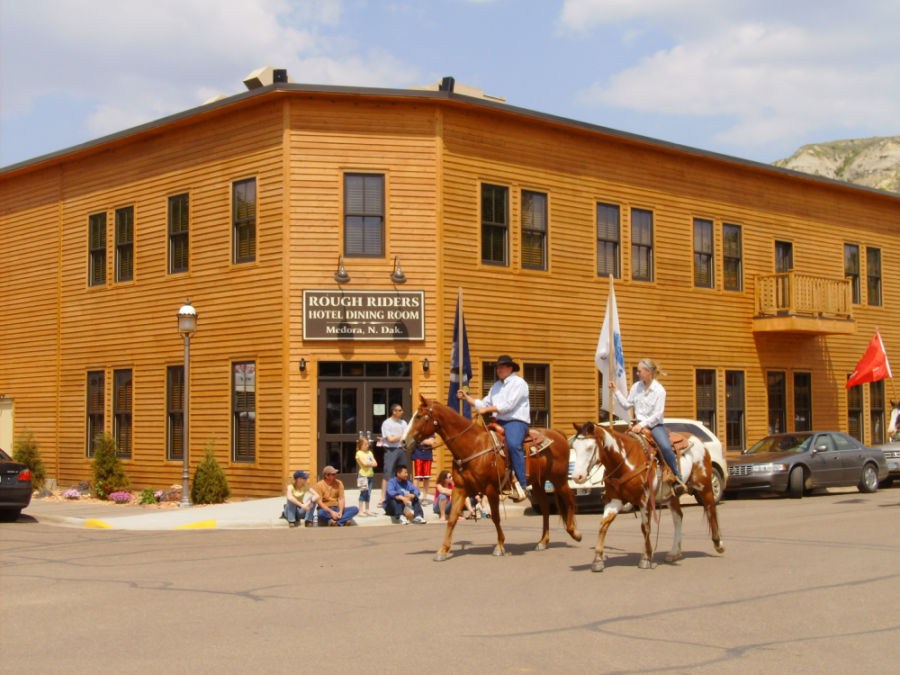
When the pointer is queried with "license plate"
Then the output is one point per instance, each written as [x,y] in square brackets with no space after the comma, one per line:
[892,465]
[581,492]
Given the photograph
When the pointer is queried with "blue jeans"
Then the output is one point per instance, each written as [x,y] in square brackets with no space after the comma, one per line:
[438,506]
[394,507]
[515,435]
[366,495]
[350,512]
[661,436]
[293,513]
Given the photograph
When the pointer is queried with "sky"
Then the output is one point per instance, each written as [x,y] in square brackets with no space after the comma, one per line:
[749,78]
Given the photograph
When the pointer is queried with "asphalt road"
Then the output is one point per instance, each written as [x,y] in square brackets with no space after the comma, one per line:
[809,586]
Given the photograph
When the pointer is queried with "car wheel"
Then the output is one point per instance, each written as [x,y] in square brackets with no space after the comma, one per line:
[868,482]
[9,515]
[717,483]
[886,483]
[795,483]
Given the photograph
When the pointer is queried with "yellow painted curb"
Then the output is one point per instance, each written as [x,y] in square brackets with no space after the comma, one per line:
[203,524]
[99,524]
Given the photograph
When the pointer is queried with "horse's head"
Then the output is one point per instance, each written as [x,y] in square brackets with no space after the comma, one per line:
[421,426]
[893,429]
[587,451]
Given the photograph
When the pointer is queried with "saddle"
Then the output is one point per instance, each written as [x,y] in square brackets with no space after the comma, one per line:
[680,444]
[534,444]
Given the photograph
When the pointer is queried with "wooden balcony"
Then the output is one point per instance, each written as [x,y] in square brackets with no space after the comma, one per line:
[799,303]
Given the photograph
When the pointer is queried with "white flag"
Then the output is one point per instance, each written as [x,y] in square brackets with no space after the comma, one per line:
[602,356]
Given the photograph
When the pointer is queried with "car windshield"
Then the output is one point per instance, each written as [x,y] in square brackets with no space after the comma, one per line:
[785,443]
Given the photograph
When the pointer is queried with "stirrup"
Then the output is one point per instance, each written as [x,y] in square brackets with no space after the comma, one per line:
[517,494]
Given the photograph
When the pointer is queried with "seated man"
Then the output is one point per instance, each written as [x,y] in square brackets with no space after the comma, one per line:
[331,499]
[403,497]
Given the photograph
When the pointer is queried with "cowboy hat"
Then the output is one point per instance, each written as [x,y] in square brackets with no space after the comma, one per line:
[507,361]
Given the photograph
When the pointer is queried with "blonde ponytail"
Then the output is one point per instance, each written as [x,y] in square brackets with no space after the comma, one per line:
[653,367]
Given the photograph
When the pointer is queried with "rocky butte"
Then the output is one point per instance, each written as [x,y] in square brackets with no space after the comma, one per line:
[873,162]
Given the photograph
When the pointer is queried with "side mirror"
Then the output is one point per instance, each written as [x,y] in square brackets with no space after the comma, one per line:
[820,448]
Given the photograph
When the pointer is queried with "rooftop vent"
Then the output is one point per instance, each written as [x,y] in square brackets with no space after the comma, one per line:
[262,77]
[451,85]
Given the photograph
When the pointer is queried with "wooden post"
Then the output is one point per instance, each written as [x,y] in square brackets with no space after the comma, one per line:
[612,353]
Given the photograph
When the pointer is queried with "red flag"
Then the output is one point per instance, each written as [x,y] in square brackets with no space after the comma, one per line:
[873,366]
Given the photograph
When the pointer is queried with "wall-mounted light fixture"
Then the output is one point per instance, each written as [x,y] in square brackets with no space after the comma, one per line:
[341,275]
[425,365]
[397,275]
[302,365]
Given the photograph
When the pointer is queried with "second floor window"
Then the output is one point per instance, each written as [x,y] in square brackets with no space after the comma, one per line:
[494,224]
[641,245]
[732,257]
[534,230]
[873,276]
[851,269]
[363,215]
[179,222]
[703,253]
[122,401]
[608,240]
[97,250]
[125,244]
[244,220]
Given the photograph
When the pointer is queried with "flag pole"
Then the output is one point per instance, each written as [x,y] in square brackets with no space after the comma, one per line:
[459,345]
[612,353]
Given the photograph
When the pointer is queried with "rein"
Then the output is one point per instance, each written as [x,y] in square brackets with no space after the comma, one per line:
[458,462]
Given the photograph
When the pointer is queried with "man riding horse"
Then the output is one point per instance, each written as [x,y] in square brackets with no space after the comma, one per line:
[508,399]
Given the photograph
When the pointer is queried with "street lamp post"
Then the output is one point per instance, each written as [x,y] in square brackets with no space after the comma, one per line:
[187,326]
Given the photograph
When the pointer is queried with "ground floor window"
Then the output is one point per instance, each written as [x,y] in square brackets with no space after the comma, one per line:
[538,378]
[96,404]
[706,398]
[855,412]
[122,401]
[175,413]
[734,410]
[802,402]
[243,411]
[876,411]
[776,392]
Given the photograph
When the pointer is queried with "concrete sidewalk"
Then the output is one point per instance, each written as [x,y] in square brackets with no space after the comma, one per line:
[253,515]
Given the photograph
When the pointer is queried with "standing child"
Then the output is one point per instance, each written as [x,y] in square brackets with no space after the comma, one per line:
[422,458]
[366,462]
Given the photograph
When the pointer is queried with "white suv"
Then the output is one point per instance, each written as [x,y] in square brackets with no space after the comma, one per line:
[590,493]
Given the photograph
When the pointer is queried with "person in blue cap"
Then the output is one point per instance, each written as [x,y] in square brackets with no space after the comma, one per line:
[301,500]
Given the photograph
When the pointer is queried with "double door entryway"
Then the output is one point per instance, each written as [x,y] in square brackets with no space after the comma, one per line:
[354,399]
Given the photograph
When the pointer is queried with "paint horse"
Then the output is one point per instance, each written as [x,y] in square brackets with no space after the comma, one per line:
[630,477]
[479,467]
[894,426]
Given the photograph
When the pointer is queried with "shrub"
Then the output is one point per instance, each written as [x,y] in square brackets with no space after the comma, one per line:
[109,475]
[147,497]
[210,483]
[122,497]
[27,451]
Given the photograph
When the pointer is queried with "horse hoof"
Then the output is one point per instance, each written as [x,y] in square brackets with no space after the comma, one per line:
[498,553]
[576,535]
[644,565]
[597,566]
[541,546]
[440,557]
[720,547]
[672,557]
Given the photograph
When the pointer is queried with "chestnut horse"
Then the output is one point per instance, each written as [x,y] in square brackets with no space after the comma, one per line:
[629,477]
[478,468]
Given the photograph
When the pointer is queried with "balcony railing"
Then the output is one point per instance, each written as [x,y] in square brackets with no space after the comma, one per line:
[799,294]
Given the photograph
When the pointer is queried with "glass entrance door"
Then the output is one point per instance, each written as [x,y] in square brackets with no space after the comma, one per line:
[354,399]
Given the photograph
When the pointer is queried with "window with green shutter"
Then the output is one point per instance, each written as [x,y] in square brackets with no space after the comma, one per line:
[244,203]
[122,408]
[175,412]
[97,250]
[179,228]
[96,405]
[125,244]
[363,215]
[608,241]
[534,230]
[494,225]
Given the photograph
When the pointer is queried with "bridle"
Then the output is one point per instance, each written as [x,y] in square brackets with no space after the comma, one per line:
[437,426]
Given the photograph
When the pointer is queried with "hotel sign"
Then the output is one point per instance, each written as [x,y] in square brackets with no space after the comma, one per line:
[363,315]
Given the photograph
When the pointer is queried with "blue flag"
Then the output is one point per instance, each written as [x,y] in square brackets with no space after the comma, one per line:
[460,348]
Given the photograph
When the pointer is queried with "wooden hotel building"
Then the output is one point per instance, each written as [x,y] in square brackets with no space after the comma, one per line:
[757,288]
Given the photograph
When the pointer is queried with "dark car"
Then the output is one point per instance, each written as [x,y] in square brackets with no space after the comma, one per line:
[15,488]
[796,463]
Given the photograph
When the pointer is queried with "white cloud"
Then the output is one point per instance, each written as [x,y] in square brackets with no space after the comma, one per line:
[141,60]
[770,80]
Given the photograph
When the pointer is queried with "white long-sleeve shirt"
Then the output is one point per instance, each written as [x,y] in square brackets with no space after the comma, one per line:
[510,396]
[649,403]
